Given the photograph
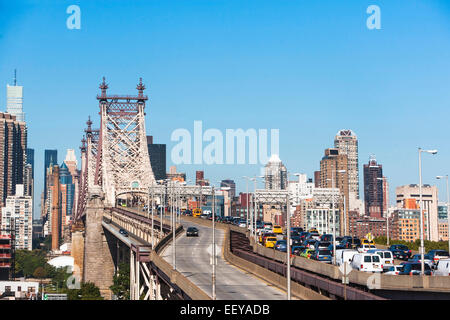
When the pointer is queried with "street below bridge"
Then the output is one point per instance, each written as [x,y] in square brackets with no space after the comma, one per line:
[193,260]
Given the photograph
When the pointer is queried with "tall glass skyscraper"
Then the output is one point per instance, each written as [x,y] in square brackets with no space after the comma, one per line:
[50,157]
[14,100]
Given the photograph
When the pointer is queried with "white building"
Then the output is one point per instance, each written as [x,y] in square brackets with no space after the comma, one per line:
[18,214]
[275,174]
[14,101]
[320,213]
[21,289]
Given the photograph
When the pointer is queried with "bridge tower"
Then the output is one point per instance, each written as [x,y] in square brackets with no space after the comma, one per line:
[123,165]
[114,164]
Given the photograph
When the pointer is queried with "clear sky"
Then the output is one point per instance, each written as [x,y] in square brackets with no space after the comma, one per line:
[307,68]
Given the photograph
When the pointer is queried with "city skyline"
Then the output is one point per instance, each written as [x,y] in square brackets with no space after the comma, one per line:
[245,70]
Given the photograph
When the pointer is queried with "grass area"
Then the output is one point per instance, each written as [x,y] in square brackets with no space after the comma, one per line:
[429,245]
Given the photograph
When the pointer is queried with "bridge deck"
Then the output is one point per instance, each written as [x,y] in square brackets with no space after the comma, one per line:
[193,260]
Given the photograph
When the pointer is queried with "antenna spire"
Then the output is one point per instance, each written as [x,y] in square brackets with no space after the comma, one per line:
[15,77]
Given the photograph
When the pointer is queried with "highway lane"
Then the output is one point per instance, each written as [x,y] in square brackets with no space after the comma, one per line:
[194,262]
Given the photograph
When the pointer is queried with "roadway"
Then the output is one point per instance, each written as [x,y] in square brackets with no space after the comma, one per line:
[193,260]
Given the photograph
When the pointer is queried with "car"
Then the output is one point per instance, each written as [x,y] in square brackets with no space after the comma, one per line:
[387,259]
[281,245]
[368,262]
[310,243]
[322,245]
[414,268]
[436,255]
[123,232]
[314,235]
[267,225]
[344,255]
[366,247]
[270,242]
[277,229]
[266,235]
[323,255]
[297,229]
[297,250]
[442,267]
[242,223]
[338,240]
[394,270]
[307,253]
[204,216]
[400,251]
[418,258]
[296,240]
[326,237]
[192,232]
[350,243]
[366,241]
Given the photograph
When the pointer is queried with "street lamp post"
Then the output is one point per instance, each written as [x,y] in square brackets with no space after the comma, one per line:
[213,245]
[334,213]
[448,209]
[422,249]
[246,220]
[387,217]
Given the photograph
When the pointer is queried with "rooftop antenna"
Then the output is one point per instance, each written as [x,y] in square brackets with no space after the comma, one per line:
[15,77]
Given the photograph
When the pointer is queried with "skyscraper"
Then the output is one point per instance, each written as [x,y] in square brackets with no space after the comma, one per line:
[14,100]
[347,143]
[13,144]
[230,184]
[373,188]
[275,174]
[30,160]
[50,157]
[157,154]
[67,189]
[330,177]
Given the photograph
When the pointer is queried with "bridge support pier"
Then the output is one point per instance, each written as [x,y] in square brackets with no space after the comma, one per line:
[98,248]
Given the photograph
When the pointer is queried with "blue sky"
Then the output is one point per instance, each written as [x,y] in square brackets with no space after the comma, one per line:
[308,68]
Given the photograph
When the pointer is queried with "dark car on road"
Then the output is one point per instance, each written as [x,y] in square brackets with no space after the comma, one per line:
[281,245]
[123,232]
[400,251]
[435,255]
[297,249]
[349,243]
[326,237]
[192,232]
[297,229]
[414,268]
[323,255]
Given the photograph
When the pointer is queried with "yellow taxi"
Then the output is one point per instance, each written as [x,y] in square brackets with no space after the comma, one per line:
[197,212]
[270,242]
[367,241]
[277,229]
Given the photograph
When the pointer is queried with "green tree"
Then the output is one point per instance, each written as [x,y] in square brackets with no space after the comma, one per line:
[121,282]
[88,291]
[39,273]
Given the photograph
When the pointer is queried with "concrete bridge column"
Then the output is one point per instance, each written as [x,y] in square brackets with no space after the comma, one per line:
[98,260]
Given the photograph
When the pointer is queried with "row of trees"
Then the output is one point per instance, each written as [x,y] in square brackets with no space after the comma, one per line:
[429,245]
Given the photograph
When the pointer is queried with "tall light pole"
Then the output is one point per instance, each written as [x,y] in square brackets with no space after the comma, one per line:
[448,210]
[422,248]
[334,213]
[246,220]
[387,216]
